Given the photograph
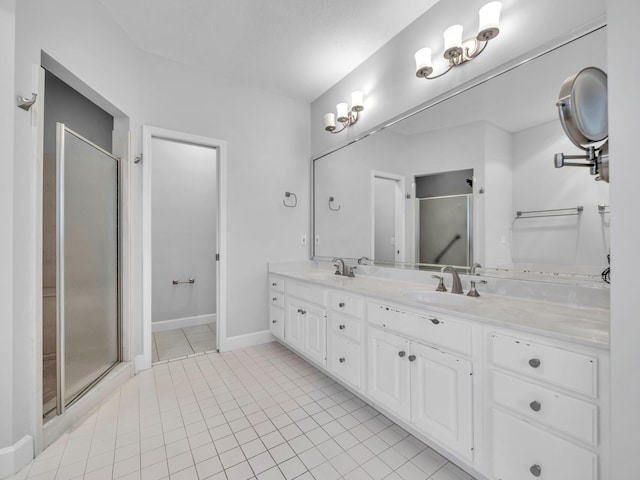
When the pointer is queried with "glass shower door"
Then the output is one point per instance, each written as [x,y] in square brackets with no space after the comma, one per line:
[88,303]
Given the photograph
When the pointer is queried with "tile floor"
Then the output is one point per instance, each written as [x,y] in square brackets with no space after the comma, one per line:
[181,342]
[256,413]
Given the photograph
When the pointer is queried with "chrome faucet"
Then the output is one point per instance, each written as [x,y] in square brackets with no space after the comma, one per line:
[363,260]
[342,269]
[456,286]
[473,268]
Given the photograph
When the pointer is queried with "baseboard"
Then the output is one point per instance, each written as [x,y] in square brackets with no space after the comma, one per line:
[184,322]
[16,456]
[243,341]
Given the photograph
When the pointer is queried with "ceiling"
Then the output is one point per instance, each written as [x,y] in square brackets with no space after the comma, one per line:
[299,48]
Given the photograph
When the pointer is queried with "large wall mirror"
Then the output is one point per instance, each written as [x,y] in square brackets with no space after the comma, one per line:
[472,179]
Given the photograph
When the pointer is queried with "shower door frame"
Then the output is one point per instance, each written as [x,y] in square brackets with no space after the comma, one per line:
[144,360]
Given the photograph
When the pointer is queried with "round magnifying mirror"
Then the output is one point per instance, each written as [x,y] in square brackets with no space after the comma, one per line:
[582,106]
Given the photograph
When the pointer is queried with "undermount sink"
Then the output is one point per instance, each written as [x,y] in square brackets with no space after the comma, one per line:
[440,298]
[322,275]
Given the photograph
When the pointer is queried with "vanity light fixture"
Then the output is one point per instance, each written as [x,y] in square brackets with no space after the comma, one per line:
[457,51]
[345,115]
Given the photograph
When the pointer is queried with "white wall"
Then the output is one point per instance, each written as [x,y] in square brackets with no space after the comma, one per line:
[388,76]
[183,222]
[624,104]
[7,107]
[268,153]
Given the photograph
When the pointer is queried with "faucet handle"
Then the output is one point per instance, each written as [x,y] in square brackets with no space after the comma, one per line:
[441,287]
[472,291]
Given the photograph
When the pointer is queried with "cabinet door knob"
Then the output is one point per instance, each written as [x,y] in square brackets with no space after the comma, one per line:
[275,299]
[401,353]
[435,321]
[274,321]
[299,310]
[341,327]
[341,359]
[303,311]
[274,284]
[341,304]
[534,362]
[535,470]
[412,358]
[535,406]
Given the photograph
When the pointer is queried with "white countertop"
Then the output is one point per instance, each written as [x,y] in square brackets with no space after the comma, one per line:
[588,326]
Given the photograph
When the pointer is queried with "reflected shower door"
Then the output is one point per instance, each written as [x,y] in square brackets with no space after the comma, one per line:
[87,264]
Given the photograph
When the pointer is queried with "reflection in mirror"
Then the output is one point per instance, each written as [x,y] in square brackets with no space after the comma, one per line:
[505,131]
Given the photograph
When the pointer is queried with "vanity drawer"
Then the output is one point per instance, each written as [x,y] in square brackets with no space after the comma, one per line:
[436,330]
[347,326]
[276,299]
[276,283]
[303,291]
[564,368]
[344,303]
[522,451]
[344,359]
[276,322]
[569,415]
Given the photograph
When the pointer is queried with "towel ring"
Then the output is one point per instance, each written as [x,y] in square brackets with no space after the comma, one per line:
[331,200]
[288,195]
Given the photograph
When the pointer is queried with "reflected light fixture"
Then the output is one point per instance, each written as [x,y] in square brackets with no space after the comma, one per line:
[345,115]
[458,51]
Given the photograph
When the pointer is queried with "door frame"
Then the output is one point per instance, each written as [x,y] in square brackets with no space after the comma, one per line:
[144,360]
[399,213]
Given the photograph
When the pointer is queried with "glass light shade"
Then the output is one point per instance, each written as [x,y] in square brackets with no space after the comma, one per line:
[453,41]
[343,112]
[329,121]
[357,101]
[424,66]
[488,26]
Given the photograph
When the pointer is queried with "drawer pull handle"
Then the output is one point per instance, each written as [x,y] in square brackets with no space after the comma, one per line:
[535,470]
[534,363]
[341,359]
[401,353]
[274,321]
[341,327]
[535,406]
[341,304]
[435,321]
[274,284]
[412,358]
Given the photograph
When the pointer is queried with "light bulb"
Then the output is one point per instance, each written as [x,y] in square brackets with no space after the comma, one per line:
[343,112]
[357,101]
[453,41]
[423,62]
[488,26]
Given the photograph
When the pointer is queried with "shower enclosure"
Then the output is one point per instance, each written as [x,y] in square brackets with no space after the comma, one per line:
[87,291]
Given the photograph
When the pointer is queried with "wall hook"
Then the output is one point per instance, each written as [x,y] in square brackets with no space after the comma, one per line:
[288,195]
[331,200]
[26,103]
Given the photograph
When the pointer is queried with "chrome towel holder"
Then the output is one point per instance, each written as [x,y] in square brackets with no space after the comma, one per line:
[289,195]
[550,212]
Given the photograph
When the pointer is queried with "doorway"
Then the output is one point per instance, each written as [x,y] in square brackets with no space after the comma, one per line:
[183,244]
[387,219]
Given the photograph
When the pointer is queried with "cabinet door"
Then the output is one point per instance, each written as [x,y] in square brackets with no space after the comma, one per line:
[441,398]
[276,322]
[294,325]
[344,359]
[315,333]
[388,372]
[522,451]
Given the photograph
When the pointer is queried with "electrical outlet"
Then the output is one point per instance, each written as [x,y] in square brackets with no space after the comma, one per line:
[303,240]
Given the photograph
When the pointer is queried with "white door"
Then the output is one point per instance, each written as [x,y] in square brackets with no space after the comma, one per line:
[294,329]
[316,333]
[389,370]
[441,398]
[387,217]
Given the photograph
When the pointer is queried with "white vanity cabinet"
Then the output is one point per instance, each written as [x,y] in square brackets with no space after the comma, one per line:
[548,397]
[345,350]
[306,320]
[276,306]
[419,380]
